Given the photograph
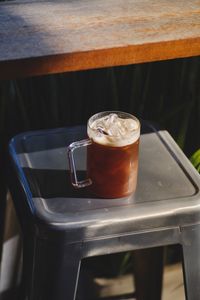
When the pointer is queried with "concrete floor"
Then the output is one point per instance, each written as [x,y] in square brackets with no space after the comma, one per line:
[173,283]
[173,288]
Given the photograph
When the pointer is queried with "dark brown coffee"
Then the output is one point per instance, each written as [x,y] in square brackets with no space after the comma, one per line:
[113,170]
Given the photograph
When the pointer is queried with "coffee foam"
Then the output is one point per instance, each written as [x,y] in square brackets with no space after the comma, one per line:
[111,130]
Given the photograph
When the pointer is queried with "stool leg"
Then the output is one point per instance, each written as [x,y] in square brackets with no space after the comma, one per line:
[148,271]
[3,191]
[191,261]
[55,272]
[27,266]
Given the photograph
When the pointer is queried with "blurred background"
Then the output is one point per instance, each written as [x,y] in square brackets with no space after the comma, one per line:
[166,92]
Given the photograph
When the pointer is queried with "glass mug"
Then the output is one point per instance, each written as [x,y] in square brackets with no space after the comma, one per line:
[112,154]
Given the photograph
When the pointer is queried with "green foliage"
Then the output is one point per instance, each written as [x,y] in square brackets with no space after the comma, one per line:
[195,159]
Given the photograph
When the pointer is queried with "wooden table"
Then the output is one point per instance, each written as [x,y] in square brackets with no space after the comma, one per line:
[42,37]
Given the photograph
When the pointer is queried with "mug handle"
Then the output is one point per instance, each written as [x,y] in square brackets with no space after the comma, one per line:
[73,146]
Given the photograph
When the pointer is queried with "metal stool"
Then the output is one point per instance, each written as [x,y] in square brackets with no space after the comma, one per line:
[61,226]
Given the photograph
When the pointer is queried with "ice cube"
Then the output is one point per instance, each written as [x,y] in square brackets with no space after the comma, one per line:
[113,118]
[130,125]
[113,130]
[121,128]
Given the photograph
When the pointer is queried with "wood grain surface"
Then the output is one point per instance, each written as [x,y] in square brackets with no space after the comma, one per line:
[50,37]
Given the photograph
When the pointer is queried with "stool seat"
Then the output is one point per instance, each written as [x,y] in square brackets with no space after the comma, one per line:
[64,225]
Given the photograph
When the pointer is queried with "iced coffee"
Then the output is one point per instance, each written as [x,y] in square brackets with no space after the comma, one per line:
[112,157]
